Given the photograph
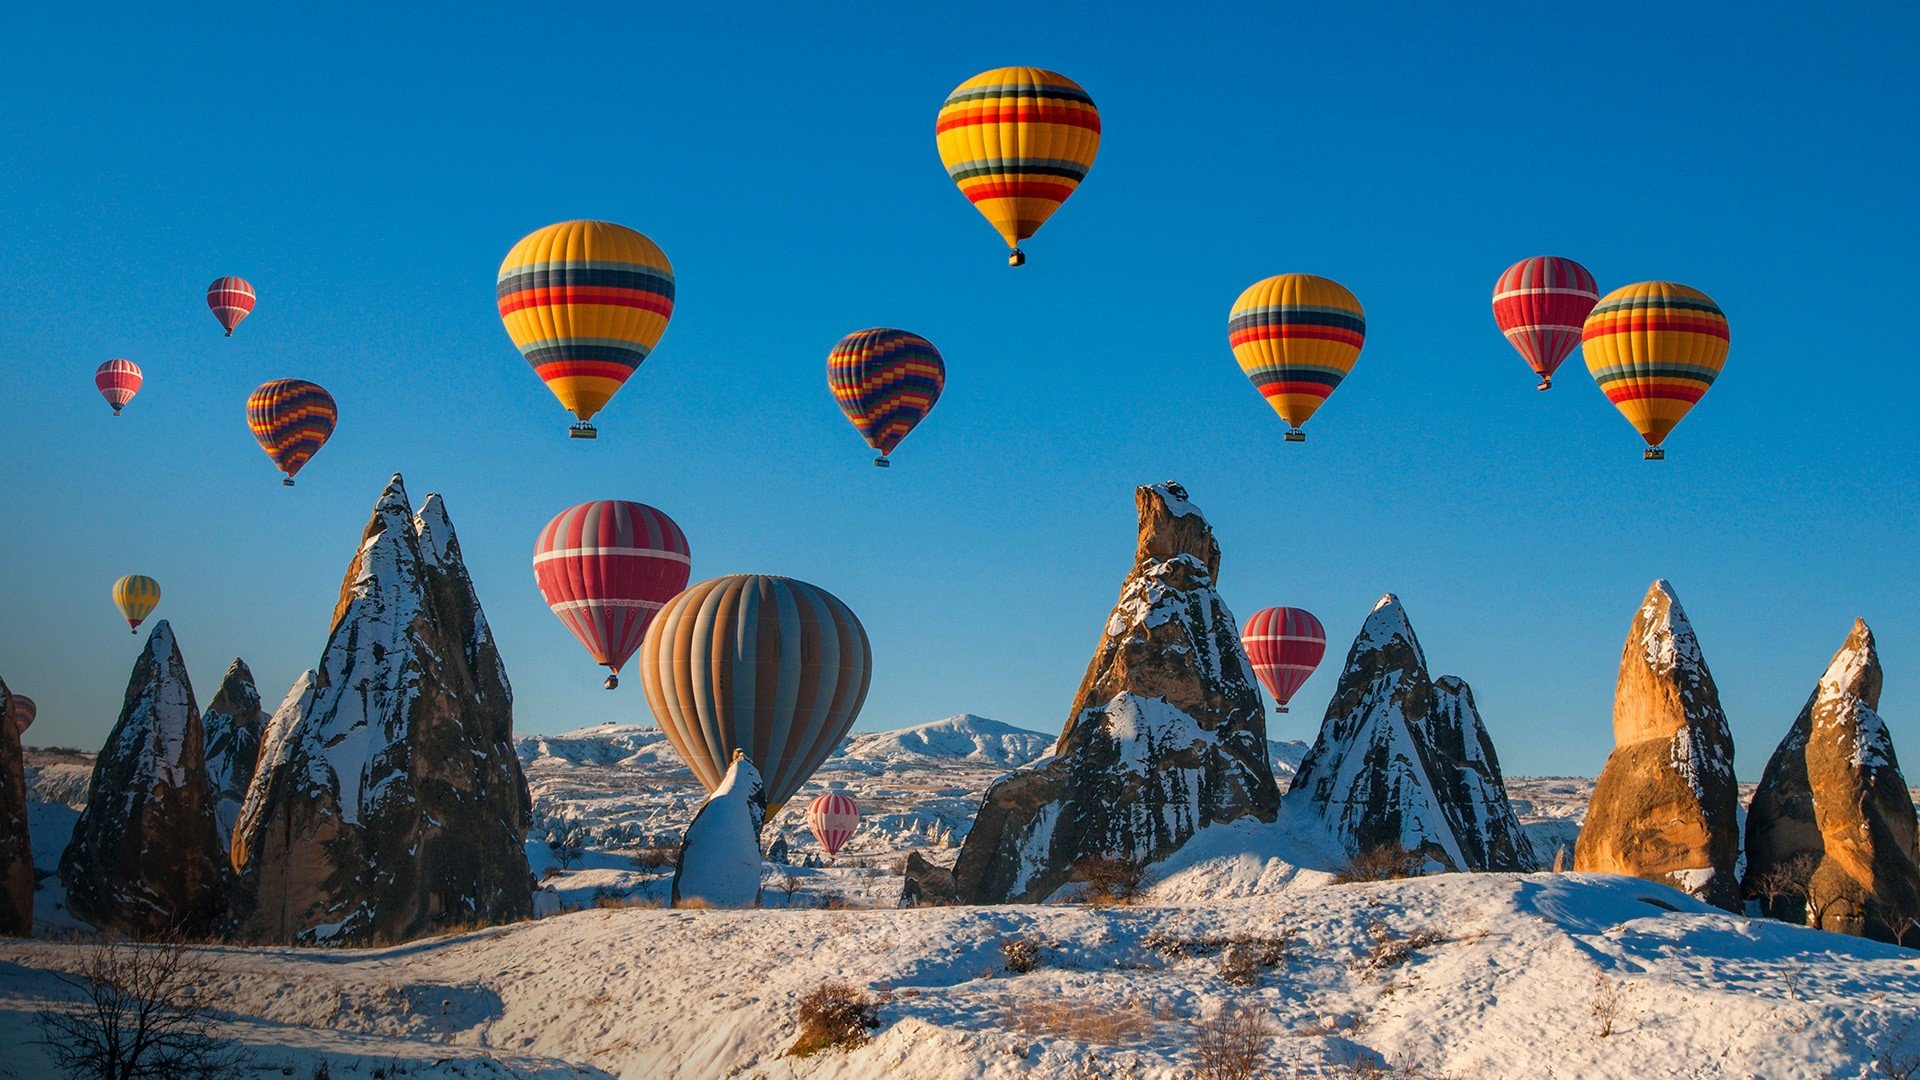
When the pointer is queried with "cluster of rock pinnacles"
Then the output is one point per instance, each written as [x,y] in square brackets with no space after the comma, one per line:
[382,800]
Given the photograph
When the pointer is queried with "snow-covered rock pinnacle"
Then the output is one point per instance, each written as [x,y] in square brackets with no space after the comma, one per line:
[1833,820]
[1167,734]
[16,842]
[1665,807]
[145,856]
[719,863]
[232,722]
[1404,761]
[388,800]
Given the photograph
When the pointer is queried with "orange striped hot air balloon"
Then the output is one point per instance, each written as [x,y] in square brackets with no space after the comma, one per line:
[20,713]
[1655,348]
[291,419]
[585,302]
[1296,337]
[1018,141]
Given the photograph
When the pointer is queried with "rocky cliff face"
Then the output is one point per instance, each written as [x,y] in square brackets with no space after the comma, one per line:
[1831,830]
[145,855]
[232,722]
[1665,806]
[388,801]
[16,844]
[1403,761]
[719,862]
[1167,734]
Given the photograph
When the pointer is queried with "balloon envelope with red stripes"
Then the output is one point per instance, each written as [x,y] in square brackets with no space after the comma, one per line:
[606,568]
[118,380]
[1541,305]
[1285,645]
[231,299]
[833,817]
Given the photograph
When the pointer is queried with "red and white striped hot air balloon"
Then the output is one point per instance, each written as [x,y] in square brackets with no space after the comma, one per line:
[1285,645]
[118,380]
[833,817]
[1541,305]
[231,299]
[605,568]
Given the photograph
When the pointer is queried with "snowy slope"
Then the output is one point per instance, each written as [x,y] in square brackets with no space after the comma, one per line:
[959,738]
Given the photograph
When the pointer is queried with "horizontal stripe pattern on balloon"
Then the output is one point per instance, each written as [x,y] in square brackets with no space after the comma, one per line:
[1296,337]
[1018,141]
[20,713]
[1285,645]
[1541,305]
[769,665]
[833,817]
[585,302]
[118,380]
[1654,348]
[291,419]
[605,568]
[136,595]
[886,381]
[231,299]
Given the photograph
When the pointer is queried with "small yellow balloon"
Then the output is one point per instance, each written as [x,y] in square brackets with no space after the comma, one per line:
[136,595]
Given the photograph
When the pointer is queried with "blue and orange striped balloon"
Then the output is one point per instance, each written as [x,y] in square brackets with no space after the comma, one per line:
[585,302]
[1296,336]
[1654,348]
[886,381]
[292,419]
[1018,141]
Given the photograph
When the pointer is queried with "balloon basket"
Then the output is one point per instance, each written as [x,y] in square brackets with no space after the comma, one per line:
[882,463]
[1654,453]
[1281,709]
[1018,258]
[286,481]
[612,683]
[1545,384]
[583,430]
[229,333]
[1296,435]
[116,410]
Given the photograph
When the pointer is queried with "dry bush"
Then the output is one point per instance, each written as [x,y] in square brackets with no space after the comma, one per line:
[655,858]
[1607,995]
[1106,879]
[1239,965]
[1101,1024]
[1782,888]
[1390,950]
[1232,1044]
[834,1014]
[144,1011]
[1023,954]
[610,901]
[693,903]
[1383,862]
[1268,950]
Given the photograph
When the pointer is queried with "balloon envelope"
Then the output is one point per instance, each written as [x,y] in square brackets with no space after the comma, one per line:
[769,665]
[886,381]
[136,595]
[585,302]
[118,380]
[833,817]
[605,568]
[292,419]
[1285,645]
[1541,304]
[20,713]
[1018,141]
[1654,348]
[231,300]
[1296,337]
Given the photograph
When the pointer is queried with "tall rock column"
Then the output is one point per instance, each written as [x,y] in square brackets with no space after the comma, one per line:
[16,843]
[1831,835]
[1167,734]
[232,722]
[145,857]
[1665,807]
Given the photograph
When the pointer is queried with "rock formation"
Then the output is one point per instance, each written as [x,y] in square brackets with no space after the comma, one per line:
[719,861]
[16,844]
[145,855]
[232,722]
[388,802]
[1831,830]
[1665,806]
[1167,734]
[1403,761]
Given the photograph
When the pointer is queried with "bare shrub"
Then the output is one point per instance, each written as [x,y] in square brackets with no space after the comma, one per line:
[786,885]
[1390,950]
[612,901]
[1232,1044]
[1782,888]
[834,1014]
[655,858]
[1268,950]
[1383,862]
[1239,965]
[1107,880]
[1102,1024]
[1023,954]
[144,1011]
[1607,995]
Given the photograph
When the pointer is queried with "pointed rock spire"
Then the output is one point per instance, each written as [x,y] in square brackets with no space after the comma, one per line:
[16,843]
[145,854]
[719,861]
[1665,807]
[232,722]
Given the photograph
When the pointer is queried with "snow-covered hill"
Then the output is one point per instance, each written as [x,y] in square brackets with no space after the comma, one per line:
[957,738]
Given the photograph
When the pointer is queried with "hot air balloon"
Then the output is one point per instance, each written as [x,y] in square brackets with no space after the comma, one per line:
[769,665]
[1296,336]
[605,568]
[1540,304]
[118,381]
[1654,348]
[21,711]
[292,419]
[231,299]
[833,817]
[136,595]
[886,381]
[1018,141]
[585,302]
[1285,645]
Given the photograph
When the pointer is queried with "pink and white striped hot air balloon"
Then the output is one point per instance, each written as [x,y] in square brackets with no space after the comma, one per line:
[606,568]
[833,817]
[231,299]
[1285,645]
[118,380]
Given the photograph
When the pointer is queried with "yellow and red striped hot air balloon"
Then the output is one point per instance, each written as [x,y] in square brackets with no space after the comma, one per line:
[1018,141]
[585,302]
[1296,336]
[1654,348]
[136,595]
[291,419]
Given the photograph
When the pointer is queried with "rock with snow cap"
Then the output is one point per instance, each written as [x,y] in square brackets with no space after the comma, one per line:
[1166,736]
[1831,836]
[145,856]
[719,862]
[16,842]
[1665,806]
[1403,761]
[232,723]
[388,802]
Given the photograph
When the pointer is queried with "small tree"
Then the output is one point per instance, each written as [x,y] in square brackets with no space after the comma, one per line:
[1382,862]
[1108,879]
[143,1012]
[567,838]
[1782,888]
[834,1014]
[786,885]
[1233,1044]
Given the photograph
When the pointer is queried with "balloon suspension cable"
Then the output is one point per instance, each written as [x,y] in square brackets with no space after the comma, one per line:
[1654,453]
[1018,258]
[881,462]
[613,681]
[1546,383]
[286,481]
[583,430]
[1296,435]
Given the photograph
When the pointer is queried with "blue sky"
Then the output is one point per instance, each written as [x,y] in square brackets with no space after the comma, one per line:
[367,170]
